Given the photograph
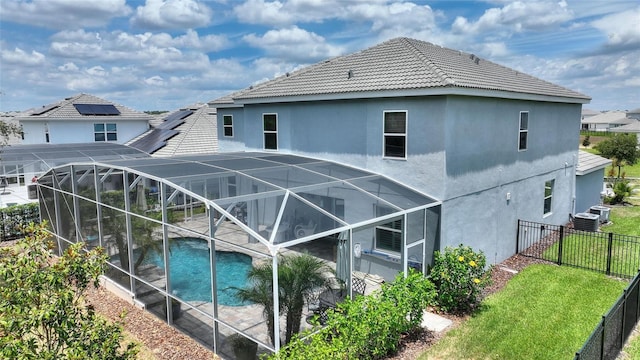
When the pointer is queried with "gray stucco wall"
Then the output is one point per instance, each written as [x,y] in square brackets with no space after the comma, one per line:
[461,150]
[588,189]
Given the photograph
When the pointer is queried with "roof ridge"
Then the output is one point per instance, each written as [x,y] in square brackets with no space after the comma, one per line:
[408,43]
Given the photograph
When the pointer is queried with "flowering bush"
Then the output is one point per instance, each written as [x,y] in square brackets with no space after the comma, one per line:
[459,275]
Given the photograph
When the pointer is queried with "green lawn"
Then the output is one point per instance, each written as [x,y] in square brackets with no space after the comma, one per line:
[544,312]
[631,171]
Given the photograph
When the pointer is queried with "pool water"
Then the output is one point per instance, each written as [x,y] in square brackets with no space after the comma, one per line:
[190,271]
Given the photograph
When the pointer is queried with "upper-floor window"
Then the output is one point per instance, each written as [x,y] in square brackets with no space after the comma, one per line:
[46,133]
[105,132]
[395,134]
[227,123]
[524,131]
[548,195]
[270,127]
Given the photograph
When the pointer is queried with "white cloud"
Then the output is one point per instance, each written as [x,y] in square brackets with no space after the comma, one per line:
[63,14]
[622,29]
[517,16]
[172,14]
[155,81]
[294,44]
[20,57]
[68,67]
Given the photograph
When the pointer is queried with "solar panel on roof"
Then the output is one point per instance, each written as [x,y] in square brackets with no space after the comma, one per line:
[96,109]
[174,120]
[45,109]
[154,140]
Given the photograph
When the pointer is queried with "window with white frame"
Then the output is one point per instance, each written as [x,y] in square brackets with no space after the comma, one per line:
[270,127]
[46,133]
[395,134]
[548,196]
[105,132]
[389,237]
[227,123]
[524,131]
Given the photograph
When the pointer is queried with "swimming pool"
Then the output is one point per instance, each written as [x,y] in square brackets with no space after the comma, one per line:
[191,275]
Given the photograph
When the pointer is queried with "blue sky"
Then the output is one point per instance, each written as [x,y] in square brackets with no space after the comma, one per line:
[167,54]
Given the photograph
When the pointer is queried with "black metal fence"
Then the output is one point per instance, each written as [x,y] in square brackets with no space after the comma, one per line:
[608,338]
[609,253]
[612,254]
[14,218]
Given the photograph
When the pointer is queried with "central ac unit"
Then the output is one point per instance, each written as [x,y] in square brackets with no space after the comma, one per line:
[602,211]
[586,221]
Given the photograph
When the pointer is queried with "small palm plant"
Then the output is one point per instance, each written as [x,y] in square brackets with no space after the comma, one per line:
[298,277]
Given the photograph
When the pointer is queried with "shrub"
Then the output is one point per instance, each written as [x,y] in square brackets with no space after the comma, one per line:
[459,276]
[42,312]
[621,190]
[368,327]
[586,142]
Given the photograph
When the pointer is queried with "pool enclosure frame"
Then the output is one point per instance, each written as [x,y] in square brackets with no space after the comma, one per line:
[264,205]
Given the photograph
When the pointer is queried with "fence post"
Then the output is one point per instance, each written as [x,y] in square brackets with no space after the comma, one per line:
[518,238]
[609,250]
[604,326]
[560,245]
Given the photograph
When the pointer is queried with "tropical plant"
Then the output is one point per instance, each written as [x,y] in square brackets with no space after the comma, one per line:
[7,130]
[368,327]
[298,277]
[42,310]
[621,190]
[260,291]
[459,275]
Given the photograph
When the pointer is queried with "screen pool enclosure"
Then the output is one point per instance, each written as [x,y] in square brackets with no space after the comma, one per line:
[259,206]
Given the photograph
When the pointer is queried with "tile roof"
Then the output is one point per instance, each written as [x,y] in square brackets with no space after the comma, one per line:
[196,135]
[588,163]
[609,117]
[632,127]
[64,110]
[402,64]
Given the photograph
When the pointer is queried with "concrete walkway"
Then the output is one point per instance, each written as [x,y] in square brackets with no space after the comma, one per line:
[434,322]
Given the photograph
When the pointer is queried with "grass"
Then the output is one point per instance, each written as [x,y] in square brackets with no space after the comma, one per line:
[544,312]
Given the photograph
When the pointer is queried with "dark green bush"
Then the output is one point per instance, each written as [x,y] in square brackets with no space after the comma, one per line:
[368,327]
[459,276]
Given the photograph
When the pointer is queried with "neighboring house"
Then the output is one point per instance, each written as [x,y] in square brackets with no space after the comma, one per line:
[191,130]
[22,164]
[589,180]
[493,144]
[605,121]
[634,114]
[633,127]
[80,119]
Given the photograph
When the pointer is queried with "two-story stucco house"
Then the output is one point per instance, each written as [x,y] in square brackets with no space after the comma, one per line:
[493,144]
[82,118]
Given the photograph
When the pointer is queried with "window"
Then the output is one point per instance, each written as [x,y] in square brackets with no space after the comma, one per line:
[46,132]
[227,123]
[270,123]
[105,132]
[548,195]
[389,236]
[524,130]
[395,134]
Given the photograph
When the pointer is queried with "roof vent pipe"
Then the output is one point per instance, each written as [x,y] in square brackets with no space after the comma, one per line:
[477,60]
[349,74]
[472,56]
